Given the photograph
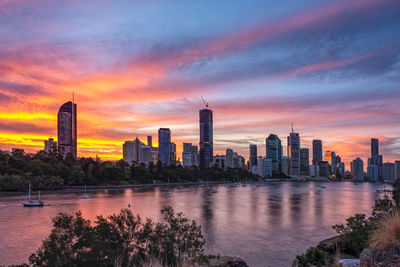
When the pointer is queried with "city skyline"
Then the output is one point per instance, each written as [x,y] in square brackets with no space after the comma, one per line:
[254,67]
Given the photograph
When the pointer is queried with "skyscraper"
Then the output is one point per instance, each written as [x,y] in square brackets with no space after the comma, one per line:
[294,153]
[164,146]
[229,156]
[317,151]
[206,137]
[187,155]
[150,140]
[66,128]
[357,169]
[50,146]
[374,147]
[304,161]
[397,169]
[272,151]
[253,156]
[389,171]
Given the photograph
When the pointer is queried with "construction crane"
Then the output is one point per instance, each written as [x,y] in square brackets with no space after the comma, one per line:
[205,103]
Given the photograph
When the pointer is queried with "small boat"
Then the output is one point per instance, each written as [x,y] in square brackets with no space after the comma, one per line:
[32,203]
[214,191]
[180,187]
[323,187]
[86,196]
[168,193]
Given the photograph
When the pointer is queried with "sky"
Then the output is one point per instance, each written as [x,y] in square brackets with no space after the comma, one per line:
[330,67]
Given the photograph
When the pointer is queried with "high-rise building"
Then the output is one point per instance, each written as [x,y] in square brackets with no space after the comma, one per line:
[66,128]
[389,171]
[264,166]
[280,155]
[376,159]
[50,146]
[164,146]
[132,151]
[373,173]
[285,165]
[173,154]
[374,147]
[229,157]
[330,156]
[324,169]
[357,169]
[294,154]
[253,156]
[187,154]
[273,149]
[150,141]
[206,137]
[317,151]
[195,156]
[304,162]
[397,169]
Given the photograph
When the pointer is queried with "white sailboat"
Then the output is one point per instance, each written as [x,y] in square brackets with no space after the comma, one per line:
[86,196]
[32,203]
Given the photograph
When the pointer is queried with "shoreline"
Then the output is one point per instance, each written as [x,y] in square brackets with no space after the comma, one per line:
[94,188]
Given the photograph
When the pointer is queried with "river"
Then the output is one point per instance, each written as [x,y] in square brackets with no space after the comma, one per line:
[265,226]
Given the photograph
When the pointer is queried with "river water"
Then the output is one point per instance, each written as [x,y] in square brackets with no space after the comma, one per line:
[265,226]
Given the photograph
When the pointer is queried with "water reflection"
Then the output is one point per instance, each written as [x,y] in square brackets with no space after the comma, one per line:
[264,225]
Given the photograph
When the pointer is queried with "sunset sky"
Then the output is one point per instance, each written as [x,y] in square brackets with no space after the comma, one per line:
[330,67]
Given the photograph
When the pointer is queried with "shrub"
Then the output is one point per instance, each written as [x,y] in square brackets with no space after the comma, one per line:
[387,235]
[314,257]
[120,240]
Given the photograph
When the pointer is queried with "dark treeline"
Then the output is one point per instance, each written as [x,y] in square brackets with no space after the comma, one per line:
[50,171]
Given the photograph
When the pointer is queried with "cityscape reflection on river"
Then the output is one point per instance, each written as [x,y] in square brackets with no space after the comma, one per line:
[263,225]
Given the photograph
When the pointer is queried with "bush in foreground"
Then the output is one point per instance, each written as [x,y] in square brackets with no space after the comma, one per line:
[314,257]
[387,234]
[120,240]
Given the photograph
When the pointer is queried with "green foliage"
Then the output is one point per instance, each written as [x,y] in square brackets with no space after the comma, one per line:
[49,171]
[355,234]
[396,193]
[119,240]
[314,257]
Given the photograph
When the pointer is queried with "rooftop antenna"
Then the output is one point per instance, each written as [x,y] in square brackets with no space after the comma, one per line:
[292,128]
[73,97]
[205,104]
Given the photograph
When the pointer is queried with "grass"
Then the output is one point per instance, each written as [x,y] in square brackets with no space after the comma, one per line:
[387,236]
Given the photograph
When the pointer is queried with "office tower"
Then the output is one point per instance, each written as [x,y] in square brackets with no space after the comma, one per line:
[304,162]
[374,147]
[235,160]
[264,166]
[241,162]
[314,171]
[195,155]
[219,161]
[206,137]
[187,154]
[273,148]
[294,153]
[50,146]
[145,154]
[373,173]
[229,158]
[280,155]
[397,169]
[285,165]
[164,146]
[389,171]
[150,141]
[324,169]
[66,128]
[317,151]
[357,169]
[253,156]
[376,159]
[131,151]
[173,153]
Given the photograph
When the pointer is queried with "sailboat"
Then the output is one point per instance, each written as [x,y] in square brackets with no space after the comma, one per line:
[32,203]
[86,196]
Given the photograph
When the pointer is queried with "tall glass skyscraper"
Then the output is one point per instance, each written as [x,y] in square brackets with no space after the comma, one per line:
[206,137]
[253,156]
[317,151]
[273,151]
[374,147]
[66,129]
[294,153]
[164,146]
